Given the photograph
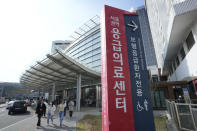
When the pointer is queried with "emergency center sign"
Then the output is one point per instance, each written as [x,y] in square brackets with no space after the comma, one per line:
[126,102]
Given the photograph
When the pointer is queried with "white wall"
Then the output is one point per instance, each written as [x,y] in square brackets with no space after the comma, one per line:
[158,19]
[188,67]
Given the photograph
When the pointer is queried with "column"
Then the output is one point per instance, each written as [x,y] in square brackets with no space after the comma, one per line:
[43,95]
[64,94]
[53,92]
[39,92]
[78,92]
[97,95]
[171,92]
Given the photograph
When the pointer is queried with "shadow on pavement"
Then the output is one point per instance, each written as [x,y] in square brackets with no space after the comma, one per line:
[55,127]
[21,113]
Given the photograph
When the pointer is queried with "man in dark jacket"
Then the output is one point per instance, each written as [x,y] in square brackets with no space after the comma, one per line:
[39,111]
[43,109]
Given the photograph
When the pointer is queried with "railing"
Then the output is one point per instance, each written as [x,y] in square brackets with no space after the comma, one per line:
[183,114]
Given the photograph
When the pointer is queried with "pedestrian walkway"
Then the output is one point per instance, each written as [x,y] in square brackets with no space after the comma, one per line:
[69,124]
[2,105]
[29,124]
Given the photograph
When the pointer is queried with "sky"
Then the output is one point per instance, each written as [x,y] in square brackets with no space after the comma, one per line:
[28,27]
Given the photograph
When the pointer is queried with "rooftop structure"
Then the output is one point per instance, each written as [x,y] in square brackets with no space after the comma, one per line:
[90,24]
[59,45]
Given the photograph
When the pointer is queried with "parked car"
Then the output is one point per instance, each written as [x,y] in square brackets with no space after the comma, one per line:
[17,106]
[10,103]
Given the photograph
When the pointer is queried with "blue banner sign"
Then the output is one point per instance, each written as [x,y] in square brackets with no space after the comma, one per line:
[140,90]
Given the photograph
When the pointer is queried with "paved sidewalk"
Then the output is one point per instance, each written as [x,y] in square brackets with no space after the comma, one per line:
[29,124]
[69,124]
[3,105]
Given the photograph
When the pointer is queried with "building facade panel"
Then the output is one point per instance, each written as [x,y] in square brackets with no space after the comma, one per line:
[187,68]
[155,16]
[169,30]
[87,50]
[147,38]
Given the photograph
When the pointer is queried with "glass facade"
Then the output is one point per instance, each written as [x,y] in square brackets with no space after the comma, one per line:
[87,50]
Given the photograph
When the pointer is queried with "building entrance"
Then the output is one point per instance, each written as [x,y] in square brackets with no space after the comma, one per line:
[89,96]
[159,100]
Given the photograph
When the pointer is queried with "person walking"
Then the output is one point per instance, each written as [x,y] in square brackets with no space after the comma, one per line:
[71,108]
[44,106]
[39,111]
[50,112]
[61,112]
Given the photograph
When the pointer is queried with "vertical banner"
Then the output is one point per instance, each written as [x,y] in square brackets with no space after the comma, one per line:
[126,103]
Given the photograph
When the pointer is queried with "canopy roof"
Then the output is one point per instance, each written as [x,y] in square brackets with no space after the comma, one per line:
[57,68]
[90,24]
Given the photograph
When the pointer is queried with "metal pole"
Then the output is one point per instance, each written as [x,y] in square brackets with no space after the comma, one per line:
[78,92]
[53,92]
[43,93]
[66,91]
[64,94]
[39,92]
[97,96]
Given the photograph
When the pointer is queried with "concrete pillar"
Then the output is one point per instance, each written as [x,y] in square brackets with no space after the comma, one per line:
[171,92]
[43,93]
[53,92]
[64,94]
[39,92]
[97,95]
[78,92]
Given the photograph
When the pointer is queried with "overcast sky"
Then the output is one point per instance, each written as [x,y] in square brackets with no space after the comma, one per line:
[28,27]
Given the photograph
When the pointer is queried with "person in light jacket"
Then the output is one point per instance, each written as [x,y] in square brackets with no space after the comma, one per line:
[71,108]
[50,112]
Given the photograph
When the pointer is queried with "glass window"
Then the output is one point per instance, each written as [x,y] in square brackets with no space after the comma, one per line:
[182,53]
[96,57]
[170,70]
[190,41]
[177,61]
[173,69]
[173,66]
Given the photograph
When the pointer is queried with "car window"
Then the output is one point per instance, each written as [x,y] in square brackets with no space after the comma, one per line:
[17,104]
[23,102]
